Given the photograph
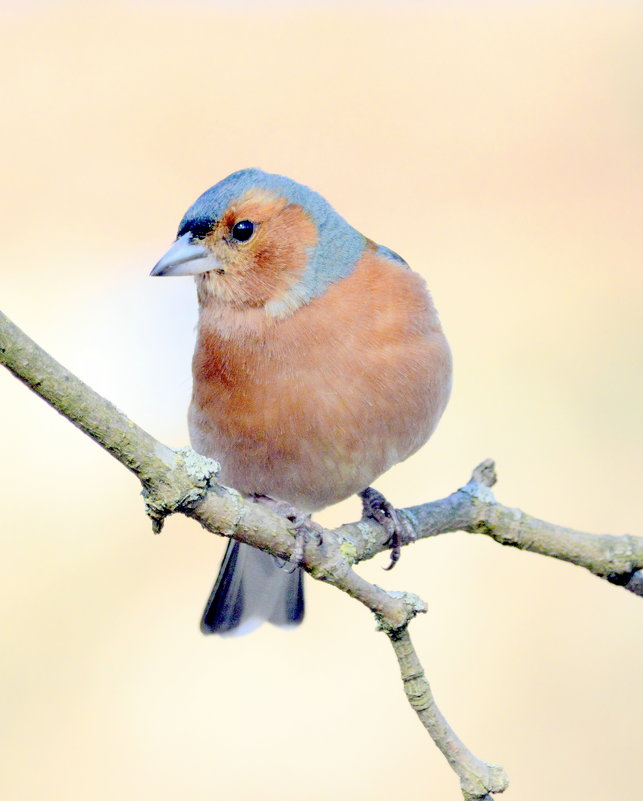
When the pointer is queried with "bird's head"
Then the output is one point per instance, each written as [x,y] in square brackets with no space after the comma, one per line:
[262,240]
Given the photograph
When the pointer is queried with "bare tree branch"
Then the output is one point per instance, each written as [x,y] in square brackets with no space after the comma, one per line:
[477,778]
[182,481]
[473,508]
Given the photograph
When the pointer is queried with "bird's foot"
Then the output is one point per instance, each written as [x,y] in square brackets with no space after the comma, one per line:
[376,507]
[302,525]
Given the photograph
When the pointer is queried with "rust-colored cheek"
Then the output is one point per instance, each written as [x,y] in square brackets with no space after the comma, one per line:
[280,255]
[265,268]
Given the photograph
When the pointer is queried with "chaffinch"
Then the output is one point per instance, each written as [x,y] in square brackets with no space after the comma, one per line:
[320,362]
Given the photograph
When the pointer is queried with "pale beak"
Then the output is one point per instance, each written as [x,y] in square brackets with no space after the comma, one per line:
[185,257]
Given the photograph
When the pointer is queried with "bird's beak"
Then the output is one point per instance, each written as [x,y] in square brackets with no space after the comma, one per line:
[185,257]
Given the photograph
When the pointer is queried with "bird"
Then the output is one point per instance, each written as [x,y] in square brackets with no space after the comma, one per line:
[320,362]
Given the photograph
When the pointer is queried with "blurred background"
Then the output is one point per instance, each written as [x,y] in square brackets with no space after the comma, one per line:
[498,148]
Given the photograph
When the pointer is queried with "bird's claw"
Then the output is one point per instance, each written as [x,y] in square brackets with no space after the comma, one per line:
[376,507]
[302,525]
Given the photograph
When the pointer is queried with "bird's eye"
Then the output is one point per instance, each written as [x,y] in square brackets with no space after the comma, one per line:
[243,230]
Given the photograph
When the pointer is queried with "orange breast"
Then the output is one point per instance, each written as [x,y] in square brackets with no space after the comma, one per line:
[313,407]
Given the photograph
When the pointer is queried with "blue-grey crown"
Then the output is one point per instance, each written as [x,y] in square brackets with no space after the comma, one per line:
[339,246]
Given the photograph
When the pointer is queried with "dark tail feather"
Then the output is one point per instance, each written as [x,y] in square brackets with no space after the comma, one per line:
[251,587]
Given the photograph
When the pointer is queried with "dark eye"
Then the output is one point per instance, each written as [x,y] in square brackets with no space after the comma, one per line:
[243,230]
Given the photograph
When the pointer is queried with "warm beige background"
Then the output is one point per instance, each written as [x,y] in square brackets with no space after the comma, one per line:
[498,147]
